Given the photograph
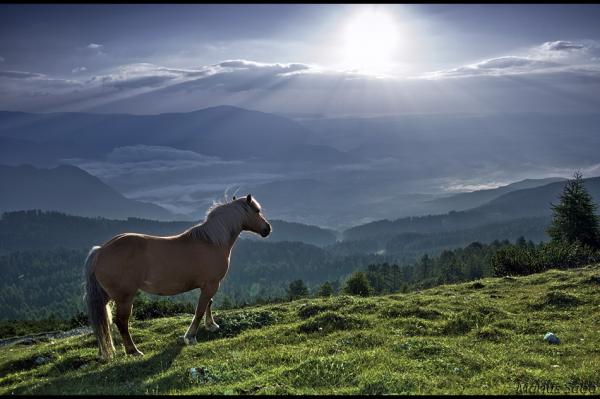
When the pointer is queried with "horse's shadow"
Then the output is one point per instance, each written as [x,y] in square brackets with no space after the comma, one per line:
[131,375]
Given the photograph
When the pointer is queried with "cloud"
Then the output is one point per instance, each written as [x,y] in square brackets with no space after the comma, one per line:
[181,180]
[497,66]
[548,77]
[140,153]
[95,46]
[561,45]
[21,75]
[79,69]
[468,187]
[559,56]
[17,86]
[2,59]
[144,75]
[148,161]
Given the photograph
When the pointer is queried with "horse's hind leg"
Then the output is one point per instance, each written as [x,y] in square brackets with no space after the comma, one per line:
[124,308]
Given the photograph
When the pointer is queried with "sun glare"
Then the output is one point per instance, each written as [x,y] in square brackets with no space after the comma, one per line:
[369,40]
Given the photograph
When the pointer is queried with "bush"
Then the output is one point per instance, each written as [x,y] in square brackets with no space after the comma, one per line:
[297,290]
[519,261]
[561,255]
[358,284]
[514,261]
[326,289]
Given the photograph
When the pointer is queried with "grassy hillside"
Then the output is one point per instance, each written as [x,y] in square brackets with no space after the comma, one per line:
[483,337]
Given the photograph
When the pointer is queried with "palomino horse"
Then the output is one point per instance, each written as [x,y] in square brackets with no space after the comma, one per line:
[196,258]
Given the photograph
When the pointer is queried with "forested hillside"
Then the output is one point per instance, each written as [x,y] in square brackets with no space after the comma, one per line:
[525,203]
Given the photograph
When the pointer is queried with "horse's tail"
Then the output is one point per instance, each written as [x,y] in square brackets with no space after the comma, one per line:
[98,310]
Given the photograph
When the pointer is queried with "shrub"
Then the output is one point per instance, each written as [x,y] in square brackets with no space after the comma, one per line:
[358,284]
[561,255]
[297,289]
[326,289]
[514,261]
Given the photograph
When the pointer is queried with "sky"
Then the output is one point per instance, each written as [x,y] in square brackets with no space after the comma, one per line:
[336,59]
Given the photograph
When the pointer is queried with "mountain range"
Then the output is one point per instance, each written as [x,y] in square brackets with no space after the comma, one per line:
[517,204]
[69,189]
[332,172]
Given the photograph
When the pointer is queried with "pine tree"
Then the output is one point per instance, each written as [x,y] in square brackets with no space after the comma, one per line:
[358,284]
[574,217]
[297,289]
[425,266]
[326,289]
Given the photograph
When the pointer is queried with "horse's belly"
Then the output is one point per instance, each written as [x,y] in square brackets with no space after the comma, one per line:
[166,288]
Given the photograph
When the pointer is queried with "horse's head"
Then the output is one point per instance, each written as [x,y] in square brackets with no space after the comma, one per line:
[255,221]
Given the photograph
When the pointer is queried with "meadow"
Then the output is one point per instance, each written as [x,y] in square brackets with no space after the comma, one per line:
[479,337]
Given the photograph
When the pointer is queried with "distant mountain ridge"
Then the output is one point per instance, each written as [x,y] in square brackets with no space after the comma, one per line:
[69,189]
[21,230]
[524,203]
[224,131]
[468,200]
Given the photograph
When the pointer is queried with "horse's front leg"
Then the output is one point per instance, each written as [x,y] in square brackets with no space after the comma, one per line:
[206,295]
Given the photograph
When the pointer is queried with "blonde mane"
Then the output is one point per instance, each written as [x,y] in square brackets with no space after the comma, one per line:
[223,221]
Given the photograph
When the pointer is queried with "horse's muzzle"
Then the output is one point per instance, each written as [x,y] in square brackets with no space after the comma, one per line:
[266,231]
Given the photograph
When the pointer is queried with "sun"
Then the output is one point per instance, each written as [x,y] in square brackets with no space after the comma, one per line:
[369,38]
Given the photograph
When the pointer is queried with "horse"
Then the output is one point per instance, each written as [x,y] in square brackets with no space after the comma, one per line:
[195,258]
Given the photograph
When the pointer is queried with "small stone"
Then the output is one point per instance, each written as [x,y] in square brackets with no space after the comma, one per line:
[27,341]
[551,338]
[41,360]
[195,373]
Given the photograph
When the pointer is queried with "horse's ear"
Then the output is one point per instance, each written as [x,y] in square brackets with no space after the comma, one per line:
[249,198]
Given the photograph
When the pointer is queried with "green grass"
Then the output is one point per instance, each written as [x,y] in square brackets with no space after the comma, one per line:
[483,337]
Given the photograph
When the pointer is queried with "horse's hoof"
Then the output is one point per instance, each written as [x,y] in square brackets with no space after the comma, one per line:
[212,327]
[137,353]
[189,341]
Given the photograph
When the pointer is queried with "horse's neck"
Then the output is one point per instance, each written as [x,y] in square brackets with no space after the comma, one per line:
[224,242]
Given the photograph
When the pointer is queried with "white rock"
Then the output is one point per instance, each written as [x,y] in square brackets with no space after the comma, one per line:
[551,338]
